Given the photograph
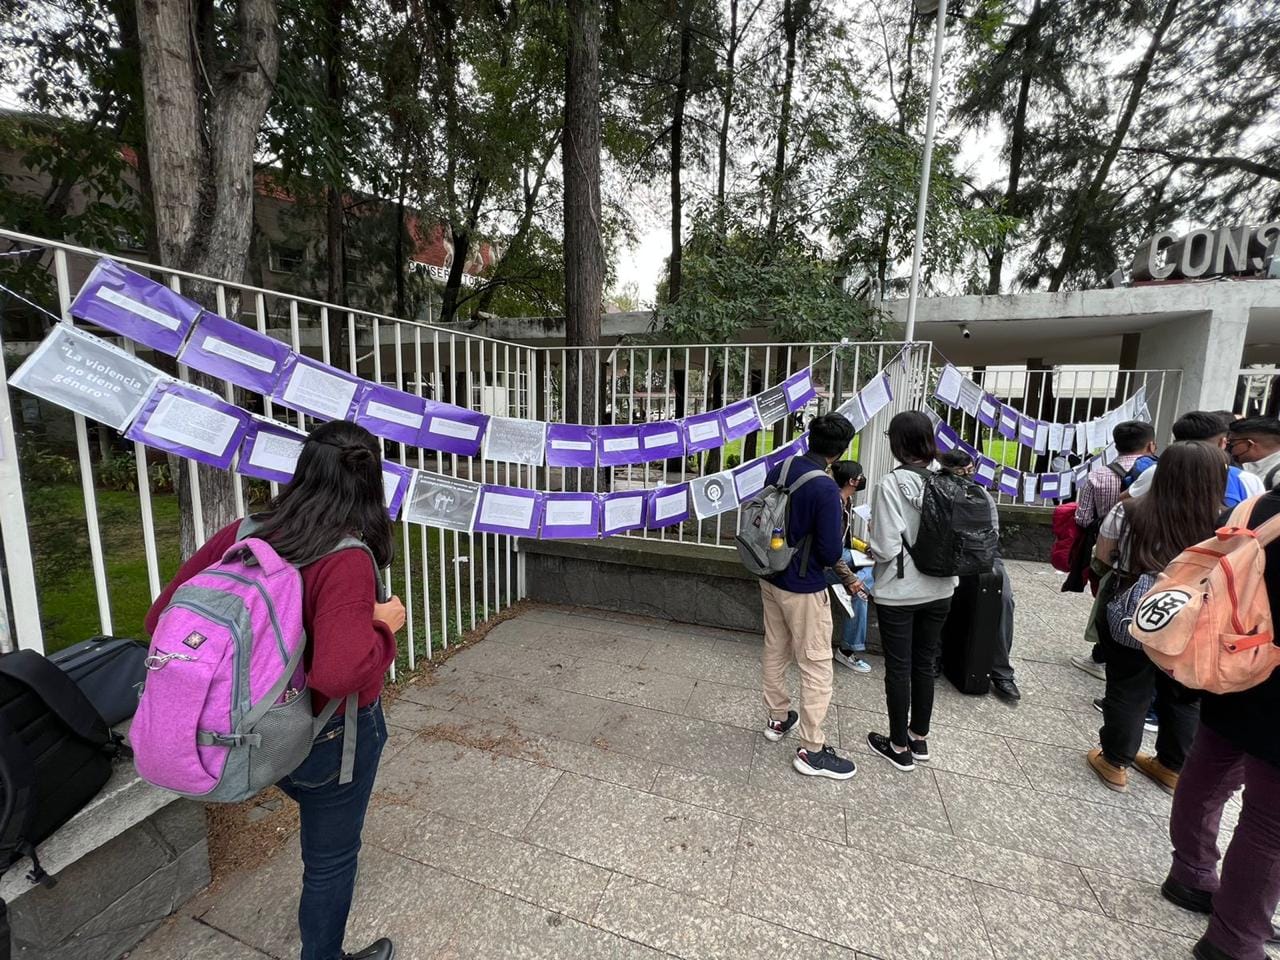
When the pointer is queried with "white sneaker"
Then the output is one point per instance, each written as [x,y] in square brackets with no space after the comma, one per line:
[1090,666]
[852,661]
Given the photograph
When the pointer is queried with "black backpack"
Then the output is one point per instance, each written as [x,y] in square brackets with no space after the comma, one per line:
[55,755]
[956,537]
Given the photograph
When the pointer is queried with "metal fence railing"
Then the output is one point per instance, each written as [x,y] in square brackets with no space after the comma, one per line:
[1256,393]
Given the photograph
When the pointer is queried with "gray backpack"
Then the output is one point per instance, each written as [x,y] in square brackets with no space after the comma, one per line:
[765,514]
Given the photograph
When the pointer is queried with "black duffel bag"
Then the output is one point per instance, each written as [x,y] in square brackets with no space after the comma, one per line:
[109,671]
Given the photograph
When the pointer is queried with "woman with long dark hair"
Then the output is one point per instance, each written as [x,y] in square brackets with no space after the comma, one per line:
[910,605]
[1141,536]
[336,493]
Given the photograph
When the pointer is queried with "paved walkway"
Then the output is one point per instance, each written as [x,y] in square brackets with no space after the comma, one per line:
[595,786]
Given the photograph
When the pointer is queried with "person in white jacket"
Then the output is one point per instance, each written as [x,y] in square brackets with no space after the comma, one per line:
[910,605]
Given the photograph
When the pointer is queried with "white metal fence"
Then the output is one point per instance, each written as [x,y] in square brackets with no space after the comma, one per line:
[452,581]
[1256,393]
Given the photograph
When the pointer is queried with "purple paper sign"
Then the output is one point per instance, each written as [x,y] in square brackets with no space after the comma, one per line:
[739,419]
[571,445]
[1026,431]
[799,389]
[137,307]
[452,429]
[395,484]
[620,512]
[1008,422]
[661,440]
[190,423]
[270,451]
[1010,481]
[946,437]
[702,432]
[988,410]
[620,445]
[317,389]
[229,350]
[1049,484]
[985,473]
[572,516]
[965,447]
[667,506]
[748,479]
[390,413]
[512,510]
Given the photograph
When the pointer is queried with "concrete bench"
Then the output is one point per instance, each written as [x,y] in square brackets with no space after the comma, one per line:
[122,864]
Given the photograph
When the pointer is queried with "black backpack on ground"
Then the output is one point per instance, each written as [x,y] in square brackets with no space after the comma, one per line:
[956,537]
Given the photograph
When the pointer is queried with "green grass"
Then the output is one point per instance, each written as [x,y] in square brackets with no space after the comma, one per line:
[765,445]
[1003,452]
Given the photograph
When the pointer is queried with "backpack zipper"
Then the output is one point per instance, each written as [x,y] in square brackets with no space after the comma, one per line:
[217,618]
[271,610]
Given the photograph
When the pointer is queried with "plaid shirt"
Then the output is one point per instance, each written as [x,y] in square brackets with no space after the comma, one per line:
[1101,491]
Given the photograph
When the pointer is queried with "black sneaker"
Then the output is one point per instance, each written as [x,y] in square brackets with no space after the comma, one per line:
[1097,704]
[775,730]
[378,950]
[919,750]
[823,763]
[881,746]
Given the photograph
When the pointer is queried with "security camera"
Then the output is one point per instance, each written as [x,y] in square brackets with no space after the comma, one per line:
[965,331]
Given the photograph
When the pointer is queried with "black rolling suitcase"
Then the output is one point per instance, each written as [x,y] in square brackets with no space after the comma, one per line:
[971,632]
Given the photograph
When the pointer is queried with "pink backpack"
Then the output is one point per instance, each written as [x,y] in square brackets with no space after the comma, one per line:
[1207,620]
[225,711]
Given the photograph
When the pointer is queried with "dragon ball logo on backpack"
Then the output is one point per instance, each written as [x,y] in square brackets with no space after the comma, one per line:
[1155,612]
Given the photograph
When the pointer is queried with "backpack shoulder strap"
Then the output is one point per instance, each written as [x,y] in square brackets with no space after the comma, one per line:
[1119,469]
[59,692]
[354,543]
[1270,479]
[18,776]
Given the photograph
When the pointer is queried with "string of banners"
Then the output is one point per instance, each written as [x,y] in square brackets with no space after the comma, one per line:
[90,376]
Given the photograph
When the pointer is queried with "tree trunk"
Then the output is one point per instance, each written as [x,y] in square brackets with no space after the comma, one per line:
[1084,205]
[790,29]
[726,116]
[397,248]
[583,244]
[677,155]
[204,108]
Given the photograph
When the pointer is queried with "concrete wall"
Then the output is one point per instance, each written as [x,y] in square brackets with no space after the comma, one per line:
[1207,348]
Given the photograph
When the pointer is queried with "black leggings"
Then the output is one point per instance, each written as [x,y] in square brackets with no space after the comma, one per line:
[911,638]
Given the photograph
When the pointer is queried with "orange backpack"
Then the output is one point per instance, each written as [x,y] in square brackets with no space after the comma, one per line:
[1207,620]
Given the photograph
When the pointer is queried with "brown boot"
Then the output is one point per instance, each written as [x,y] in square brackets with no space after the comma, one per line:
[1112,777]
[1157,771]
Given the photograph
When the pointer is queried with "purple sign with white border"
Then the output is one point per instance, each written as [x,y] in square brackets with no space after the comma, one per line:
[740,419]
[619,445]
[452,429]
[799,389]
[511,510]
[235,353]
[661,440]
[947,438]
[571,445]
[1026,431]
[270,451]
[395,484]
[1010,481]
[988,410]
[748,479]
[702,431]
[667,506]
[317,389]
[136,306]
[392,414]
[570,516]
[191,423]
[620,512]
[1008,422]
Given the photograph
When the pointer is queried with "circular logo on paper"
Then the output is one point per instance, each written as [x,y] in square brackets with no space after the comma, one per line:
[1155,611]
[714,491]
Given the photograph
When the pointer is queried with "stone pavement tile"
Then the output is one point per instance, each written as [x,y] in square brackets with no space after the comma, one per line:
[886,907]
[677,845]
[877,790]
[542,877]
[602,622]
[1022,927]
[502,928]
[485,789]
[983,862]
[1063,770]
[1137,902]
[181,936]
[742,707]
[823,820]
[537,707]
[442,691]
[1062,677]
[862,691]
[1025,721]
[697,930]
[704,659]
[574,641]
[951,748]
[532,665]
[1060,828]
[645,688]
[715,749]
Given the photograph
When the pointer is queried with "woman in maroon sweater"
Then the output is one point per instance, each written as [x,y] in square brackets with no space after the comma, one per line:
[336,492]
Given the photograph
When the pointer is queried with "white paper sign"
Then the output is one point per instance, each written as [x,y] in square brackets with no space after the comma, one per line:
[1029,481]
[439,501]
[319,390]
[669,504]
[704,431]
[511,440]
[970,396]
[274,452]
[863,512]
[742,416]
[390,481]
[623,512]
[751,480]
[1042,437]
[444,427]
[192,424]
[875,396]
[949,385]
[664,439]
[141,309]
[507,510]
[615,444]
[567,513]
[239,354]
[384,411]
[1056,434]
[570,444]
[843,597]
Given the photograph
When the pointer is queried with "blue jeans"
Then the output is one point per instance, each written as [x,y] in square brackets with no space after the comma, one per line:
[854,634]
[332,817]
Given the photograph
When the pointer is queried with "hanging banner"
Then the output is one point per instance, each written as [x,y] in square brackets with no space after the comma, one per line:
[622,511]
[796,448]
[1049,485]
[317,389]
[702,431]
[571,445]
[748,479]
[739,419]
[712,495]
[1026,430]
[436,500]
[799,389]
[667,506]
[970,397]
[186,420]
[390,413]
[661,440]
[452,429]
[395,484]
[988,411]
[619,445]
[947,438]
[875,395]
[510,510]
[985,473]
[1008,427]
[772,405]
[270,451]
[135,306]
[573,516]
[86,375]
[948,390]
[510,440]
[232,352]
